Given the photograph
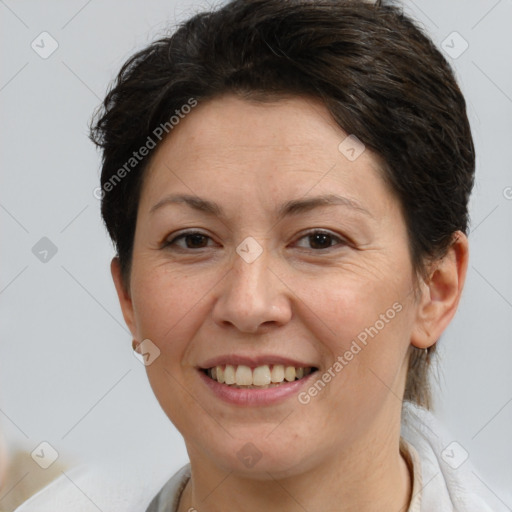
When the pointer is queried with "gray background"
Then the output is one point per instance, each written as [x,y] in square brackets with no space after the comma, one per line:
[67,372]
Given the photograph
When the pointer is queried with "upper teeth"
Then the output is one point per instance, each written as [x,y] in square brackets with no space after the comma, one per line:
[265,375]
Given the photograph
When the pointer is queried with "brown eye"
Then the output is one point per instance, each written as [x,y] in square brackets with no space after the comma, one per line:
[192,239]
[195,241]
[322,240]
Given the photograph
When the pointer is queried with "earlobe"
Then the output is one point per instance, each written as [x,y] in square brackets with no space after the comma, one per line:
[125,300]
[441,293]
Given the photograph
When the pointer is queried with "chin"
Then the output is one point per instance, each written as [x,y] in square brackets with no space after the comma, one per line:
[260,457]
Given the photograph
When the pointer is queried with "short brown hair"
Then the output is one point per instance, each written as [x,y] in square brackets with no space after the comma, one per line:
[379,75]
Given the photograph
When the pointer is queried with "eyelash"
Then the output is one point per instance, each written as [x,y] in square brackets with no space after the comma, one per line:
[170,243]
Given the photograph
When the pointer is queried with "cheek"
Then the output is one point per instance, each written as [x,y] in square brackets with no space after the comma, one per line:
[345,304]
[166,306]
[364,325]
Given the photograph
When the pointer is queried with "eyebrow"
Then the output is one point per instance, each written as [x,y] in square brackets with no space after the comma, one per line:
[293,207]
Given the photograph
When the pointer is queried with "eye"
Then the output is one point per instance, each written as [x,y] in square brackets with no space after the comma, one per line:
[316,240]
[191,239]
[322,239]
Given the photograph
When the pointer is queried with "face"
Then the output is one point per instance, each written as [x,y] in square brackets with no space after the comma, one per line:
[260,243]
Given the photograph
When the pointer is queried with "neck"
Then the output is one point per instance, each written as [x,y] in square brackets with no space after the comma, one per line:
[366,480]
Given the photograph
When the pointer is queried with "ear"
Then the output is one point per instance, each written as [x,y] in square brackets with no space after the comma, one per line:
[441,293]
[123,294]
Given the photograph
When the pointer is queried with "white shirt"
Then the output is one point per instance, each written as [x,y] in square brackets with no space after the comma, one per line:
[444,479]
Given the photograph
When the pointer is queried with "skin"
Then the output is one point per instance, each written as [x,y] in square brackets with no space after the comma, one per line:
[301,298]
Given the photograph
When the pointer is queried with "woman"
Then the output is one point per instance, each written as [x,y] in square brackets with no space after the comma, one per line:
[286,185]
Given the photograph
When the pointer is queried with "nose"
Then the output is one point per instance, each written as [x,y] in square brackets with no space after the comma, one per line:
[252,298]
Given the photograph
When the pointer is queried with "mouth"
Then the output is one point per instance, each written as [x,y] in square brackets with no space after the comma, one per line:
[259,377]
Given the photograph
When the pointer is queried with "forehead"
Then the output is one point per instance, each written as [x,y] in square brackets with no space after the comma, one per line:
[222,128]
[267,149]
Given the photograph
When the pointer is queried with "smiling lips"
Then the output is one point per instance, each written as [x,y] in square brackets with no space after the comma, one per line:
[260,377]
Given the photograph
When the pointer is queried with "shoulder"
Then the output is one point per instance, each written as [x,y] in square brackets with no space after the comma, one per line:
[95,486]
[22,478]
[449,481]
[167,499]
